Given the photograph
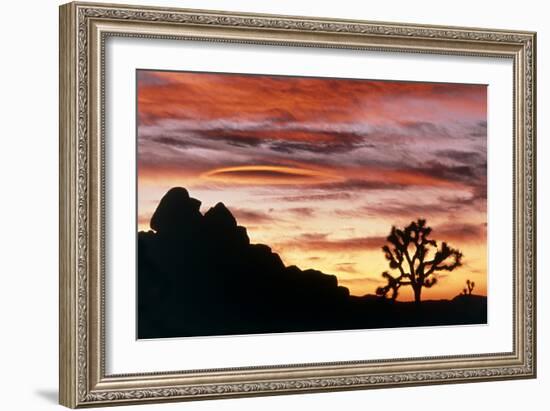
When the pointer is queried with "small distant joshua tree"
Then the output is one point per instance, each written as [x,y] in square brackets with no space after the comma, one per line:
[417,259]
[469,288]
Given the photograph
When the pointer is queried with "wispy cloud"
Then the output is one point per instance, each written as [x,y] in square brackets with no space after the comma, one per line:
[301,160]
[248,216]
[323,241]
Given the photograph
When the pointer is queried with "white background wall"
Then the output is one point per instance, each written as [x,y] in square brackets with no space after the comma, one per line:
[28,205]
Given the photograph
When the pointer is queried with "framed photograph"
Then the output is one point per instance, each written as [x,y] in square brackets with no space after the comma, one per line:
[259,204]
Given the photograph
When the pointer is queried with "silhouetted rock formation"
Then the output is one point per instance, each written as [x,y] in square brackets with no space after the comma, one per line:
[177,213]
[199,275]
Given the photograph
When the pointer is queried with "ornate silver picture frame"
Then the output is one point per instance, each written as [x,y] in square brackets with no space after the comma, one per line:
[85,29]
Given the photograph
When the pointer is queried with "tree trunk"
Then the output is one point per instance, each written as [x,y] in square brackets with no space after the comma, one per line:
[417,292]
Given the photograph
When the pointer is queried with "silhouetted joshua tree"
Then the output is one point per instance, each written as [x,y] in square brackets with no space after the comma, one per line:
[469,288]
[416,258]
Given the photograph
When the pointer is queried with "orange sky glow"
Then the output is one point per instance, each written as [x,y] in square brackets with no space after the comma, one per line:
[320,169]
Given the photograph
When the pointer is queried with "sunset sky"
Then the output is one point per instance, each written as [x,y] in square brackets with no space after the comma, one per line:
[320,169]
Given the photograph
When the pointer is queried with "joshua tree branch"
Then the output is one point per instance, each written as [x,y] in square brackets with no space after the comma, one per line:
[394,262]
[445,259]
